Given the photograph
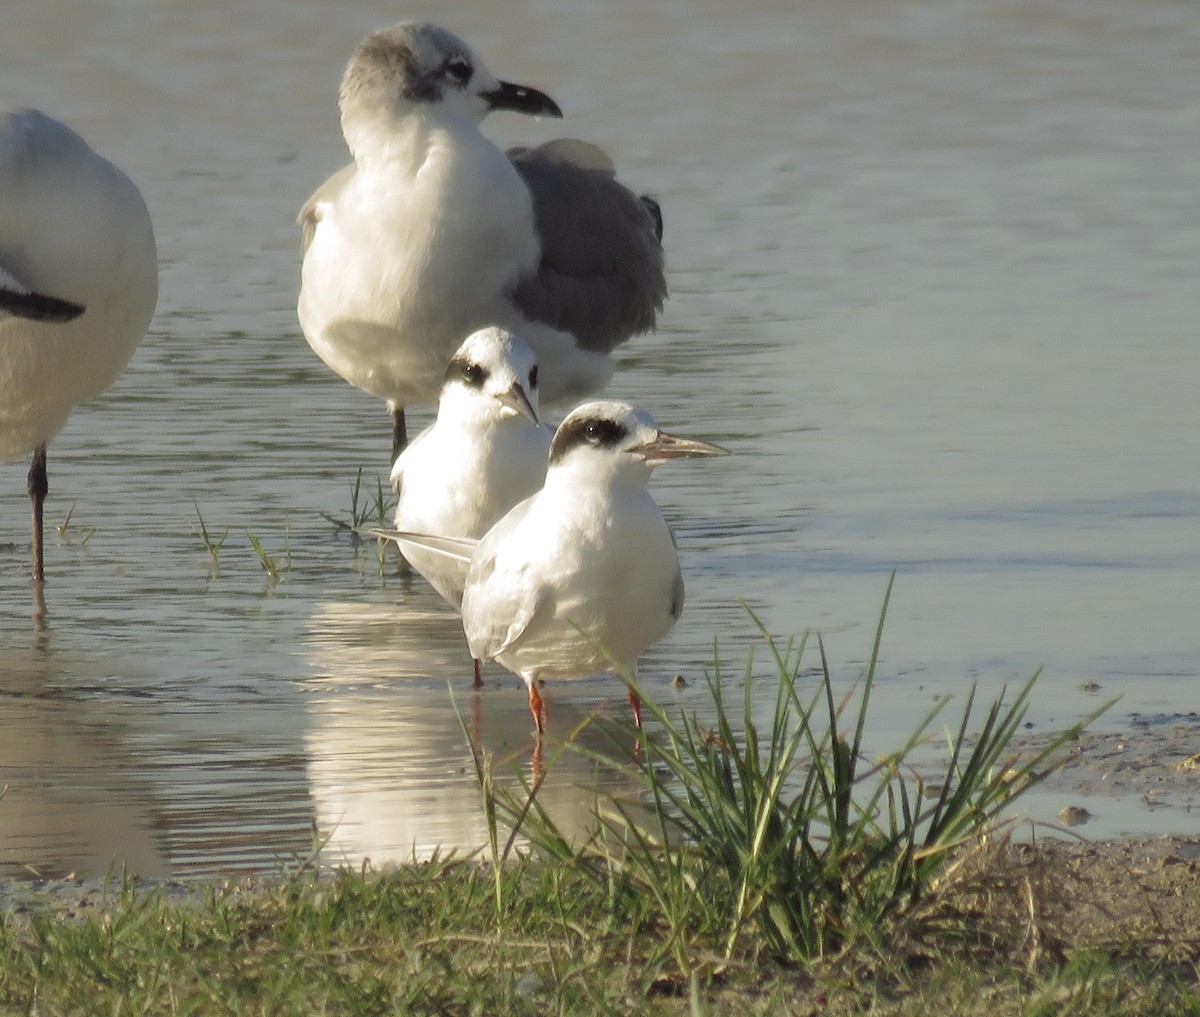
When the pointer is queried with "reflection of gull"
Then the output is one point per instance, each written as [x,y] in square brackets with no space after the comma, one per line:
[584,572]
[78,285]
[483,454]
[434,232]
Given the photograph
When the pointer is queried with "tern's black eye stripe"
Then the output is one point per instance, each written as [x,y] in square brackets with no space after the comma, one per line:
[599,431]
[467,370]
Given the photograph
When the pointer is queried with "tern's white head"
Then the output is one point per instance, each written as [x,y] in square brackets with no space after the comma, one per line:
[492,378]
[610,439]
[422,69]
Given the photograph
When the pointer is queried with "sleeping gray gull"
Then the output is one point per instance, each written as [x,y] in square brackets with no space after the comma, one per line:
[433,232]
[78,285]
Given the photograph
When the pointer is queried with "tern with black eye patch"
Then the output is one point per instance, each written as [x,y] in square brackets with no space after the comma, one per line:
[485,452]
[584,572]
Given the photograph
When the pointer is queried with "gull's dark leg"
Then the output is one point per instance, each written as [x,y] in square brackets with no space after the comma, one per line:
[478,683]
[39,486]
[399,431]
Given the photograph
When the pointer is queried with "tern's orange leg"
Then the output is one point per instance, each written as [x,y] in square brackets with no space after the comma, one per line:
[636,703]
[478,683]
[537,708]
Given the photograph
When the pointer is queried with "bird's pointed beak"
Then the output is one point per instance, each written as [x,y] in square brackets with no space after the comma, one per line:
[665,446]
[521,99]
[516,399]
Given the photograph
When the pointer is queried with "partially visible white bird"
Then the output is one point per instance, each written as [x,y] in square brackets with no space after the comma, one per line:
[78,285]
[585,572]
[485,452]
[434,232]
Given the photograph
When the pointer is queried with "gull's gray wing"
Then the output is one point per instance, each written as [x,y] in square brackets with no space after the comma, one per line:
[311,213]
[18,299]
[601,275]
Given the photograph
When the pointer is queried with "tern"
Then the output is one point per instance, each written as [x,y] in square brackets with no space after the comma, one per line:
[78,285]
[585,572]
[433,232]
[485,451]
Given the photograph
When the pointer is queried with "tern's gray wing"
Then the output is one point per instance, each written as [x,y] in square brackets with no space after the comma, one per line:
[501,599]
[601,274]
[19,300]
[456,548]
[311,213]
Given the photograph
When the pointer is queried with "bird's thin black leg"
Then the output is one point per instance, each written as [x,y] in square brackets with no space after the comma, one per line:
[39,486]
[399,432]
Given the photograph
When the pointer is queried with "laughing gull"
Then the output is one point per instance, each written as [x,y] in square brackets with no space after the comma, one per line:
[78,285]
[585,572]
[433,232]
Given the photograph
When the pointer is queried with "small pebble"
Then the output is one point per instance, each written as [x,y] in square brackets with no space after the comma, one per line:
[1074,815]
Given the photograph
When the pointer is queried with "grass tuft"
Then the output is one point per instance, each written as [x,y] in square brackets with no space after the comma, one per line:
[789,835]
[368,511]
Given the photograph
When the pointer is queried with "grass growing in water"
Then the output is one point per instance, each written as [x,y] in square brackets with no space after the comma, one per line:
[366,510]
[789,839]
[270,564]
[781,871]
[212,544]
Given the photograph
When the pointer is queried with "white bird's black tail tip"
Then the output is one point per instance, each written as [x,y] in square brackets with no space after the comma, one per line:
[39,307]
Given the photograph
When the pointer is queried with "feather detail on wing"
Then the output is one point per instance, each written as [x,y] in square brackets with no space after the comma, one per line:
[314,209]
[457,548]
[601,275]
[496,614]
[19,300]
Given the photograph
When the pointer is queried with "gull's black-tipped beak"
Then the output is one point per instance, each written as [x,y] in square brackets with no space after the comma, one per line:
[522,99]
[516,399]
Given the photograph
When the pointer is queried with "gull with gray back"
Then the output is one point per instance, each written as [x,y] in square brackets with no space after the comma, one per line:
[434,232]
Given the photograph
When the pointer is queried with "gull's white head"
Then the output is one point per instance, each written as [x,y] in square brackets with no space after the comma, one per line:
[611,439]
[492,378]
[422,69]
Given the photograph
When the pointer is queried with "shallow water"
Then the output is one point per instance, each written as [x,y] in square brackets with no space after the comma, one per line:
[932,281]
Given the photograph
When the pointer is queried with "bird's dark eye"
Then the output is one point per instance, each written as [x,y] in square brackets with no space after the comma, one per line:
[468,371]
[533,377]
[458,69]
[597,432]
